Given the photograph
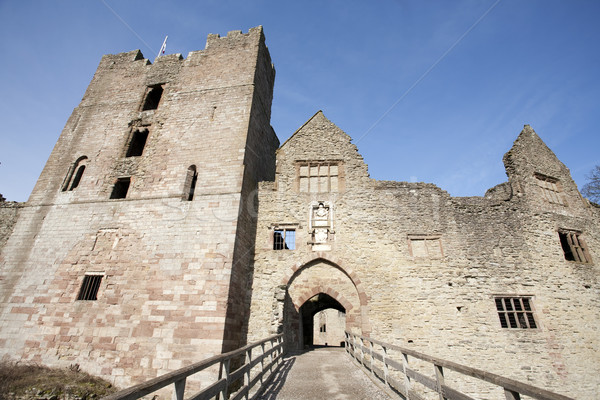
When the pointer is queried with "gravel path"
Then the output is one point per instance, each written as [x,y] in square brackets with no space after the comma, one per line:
[323,373]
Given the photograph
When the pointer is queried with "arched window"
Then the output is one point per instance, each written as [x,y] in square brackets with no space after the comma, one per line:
[190,183]
[74,174]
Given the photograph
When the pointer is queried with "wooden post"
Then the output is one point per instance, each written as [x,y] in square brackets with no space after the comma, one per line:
[371,354]
[225,371]
[362,352]
[347,341]
[179,388]
[510,395]
[406,378]
[262,363]
[247,374]
[385,366]
[439,378]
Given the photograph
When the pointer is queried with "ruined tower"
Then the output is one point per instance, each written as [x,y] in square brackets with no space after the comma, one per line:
[168,226]
[133,255]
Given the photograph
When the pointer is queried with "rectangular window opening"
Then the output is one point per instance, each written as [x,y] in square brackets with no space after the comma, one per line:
[515,312]
[153,96]
[89,287]
[425,246]
[551,189]
[318,177]
[574,247]
[137,143]
[121,188]
[284,239]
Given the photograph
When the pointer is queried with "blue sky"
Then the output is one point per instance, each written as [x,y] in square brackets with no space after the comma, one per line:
[430,91]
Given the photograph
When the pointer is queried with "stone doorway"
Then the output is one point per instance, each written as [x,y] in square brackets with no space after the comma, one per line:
[321,324]
[316,286]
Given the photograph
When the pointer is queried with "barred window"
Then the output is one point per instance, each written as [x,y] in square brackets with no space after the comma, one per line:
[284,239]
[89,287]
[551,189]
[318,177]
[515,312]
[574,247]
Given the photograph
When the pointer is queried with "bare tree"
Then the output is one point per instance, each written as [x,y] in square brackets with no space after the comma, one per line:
[591,190]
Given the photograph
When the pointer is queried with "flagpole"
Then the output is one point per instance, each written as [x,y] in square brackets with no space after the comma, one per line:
[163,47]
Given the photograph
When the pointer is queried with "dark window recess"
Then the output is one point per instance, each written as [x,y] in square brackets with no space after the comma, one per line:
[515,312]
[284,239]
[574,247]
[89,287]
[138,141]
[152,99]
[191,178]
[323,328]
[120,189]
[77,177]
[74,174]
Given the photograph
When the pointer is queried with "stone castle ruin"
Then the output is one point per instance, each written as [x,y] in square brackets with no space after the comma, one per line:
[169,225]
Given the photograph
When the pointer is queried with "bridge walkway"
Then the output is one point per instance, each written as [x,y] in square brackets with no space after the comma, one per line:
[321,373]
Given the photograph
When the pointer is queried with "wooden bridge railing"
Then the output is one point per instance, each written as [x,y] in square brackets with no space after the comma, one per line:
[370,352]
[257,369]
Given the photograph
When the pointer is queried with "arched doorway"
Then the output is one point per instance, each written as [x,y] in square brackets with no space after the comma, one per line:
[317,285]
[317,305]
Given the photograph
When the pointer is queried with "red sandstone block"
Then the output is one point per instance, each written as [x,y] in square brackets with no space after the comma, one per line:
[32,344]
[23,310]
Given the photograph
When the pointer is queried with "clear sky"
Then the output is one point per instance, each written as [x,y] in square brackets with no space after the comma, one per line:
[430,91]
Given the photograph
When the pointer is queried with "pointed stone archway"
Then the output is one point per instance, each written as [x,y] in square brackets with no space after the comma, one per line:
[335,288]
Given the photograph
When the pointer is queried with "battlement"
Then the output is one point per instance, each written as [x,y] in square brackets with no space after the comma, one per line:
[213,41]
[234,37]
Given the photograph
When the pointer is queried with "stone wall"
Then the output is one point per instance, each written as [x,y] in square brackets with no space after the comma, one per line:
[173,272]
[416,267]
[269,237]
[9,212]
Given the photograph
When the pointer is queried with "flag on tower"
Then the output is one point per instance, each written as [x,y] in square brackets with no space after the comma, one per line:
[163,47]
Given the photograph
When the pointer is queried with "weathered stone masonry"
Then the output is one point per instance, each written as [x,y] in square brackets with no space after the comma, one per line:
[174,272]
[167,199]
[414,266]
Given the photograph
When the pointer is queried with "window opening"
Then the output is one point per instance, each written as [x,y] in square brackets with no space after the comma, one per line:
[425,246]
[574,247]
[153,95]
[191,178]
[89,287]
[515,312]
[77,178]
[137,143]
[74,174]
[284,239]
[120,189]
[550,189]
[318,177]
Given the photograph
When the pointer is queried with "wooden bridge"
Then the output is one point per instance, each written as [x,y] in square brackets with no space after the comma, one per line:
[365,369]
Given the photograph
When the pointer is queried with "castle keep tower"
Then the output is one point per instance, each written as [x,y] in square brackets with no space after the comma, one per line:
[168,226]
[133,255]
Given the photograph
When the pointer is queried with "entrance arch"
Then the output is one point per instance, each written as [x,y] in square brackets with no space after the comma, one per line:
[330,286]
[323,330]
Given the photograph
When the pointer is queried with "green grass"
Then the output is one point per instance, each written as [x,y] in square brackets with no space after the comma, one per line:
[30,381]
